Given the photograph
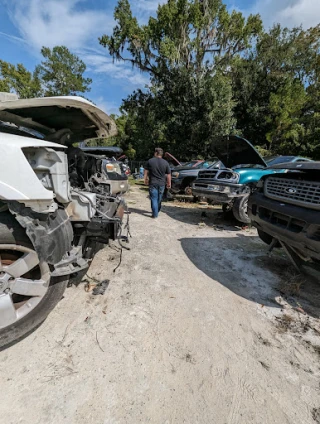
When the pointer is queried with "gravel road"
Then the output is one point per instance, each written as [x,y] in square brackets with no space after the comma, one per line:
[197,325]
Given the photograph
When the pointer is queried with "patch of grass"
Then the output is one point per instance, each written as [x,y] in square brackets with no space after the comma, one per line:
[284,323]
[316,349]
[316,415]
[264,341]
[291,284]
[133,181]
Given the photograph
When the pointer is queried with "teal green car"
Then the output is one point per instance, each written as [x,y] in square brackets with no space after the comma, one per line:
[232,185]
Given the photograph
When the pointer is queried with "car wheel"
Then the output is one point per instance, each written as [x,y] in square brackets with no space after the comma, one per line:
[27,291]
[188,191]
[266,238]
[240,209]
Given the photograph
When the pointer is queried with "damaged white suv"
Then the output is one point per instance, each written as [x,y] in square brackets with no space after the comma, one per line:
[56,206]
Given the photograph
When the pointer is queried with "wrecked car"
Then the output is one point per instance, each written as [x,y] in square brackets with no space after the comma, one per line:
[232,185]
[182,178]
[57,209]
[111,168]
[285,210]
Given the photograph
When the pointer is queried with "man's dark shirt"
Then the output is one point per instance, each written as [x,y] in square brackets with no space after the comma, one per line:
[158,169]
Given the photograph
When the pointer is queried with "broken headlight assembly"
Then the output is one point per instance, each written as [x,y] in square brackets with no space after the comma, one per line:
[113,167]
[227,175]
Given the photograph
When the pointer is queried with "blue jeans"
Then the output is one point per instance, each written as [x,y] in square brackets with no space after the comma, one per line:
[156,193]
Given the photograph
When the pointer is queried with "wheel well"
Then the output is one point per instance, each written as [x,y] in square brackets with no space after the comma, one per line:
[250,186]
[187,180]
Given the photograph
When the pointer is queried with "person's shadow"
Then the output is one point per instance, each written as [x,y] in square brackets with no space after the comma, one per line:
[141,212]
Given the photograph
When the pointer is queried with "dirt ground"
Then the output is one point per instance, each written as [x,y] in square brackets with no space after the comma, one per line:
[197,325]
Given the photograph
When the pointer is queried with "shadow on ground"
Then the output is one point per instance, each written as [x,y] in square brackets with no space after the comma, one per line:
[242,265]
[194,214]
[140,212]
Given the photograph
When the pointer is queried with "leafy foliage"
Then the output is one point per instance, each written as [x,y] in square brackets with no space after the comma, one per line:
[197,35]
[187,50]
[276,89]
[20,80]
[62,72]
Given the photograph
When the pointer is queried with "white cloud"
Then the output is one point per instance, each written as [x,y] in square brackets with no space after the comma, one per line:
[147,5]
[58,22]
[98,63]
[13,38]
[66,22]
[107,106]
[289,13]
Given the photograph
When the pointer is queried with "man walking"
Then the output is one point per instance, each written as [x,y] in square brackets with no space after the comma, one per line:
[157,174]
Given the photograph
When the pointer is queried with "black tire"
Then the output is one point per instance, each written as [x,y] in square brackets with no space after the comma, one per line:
[266,238]
[240,209]
[12,233]
[227,211]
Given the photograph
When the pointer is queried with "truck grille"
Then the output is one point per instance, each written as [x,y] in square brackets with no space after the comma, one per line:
[301,193]
[207,174]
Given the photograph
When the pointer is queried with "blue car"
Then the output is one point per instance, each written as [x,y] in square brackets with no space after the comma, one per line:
[232,185]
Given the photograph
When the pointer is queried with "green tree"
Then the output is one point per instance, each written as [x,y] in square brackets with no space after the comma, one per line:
[61,73]
[276,89]
[194,34]
[130,152]
[187,50]
[19,80]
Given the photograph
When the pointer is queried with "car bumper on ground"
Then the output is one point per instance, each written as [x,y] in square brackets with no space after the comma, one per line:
[216,191]
[296,226]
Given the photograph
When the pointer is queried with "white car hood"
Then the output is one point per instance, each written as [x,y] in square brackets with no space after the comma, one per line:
[48,115]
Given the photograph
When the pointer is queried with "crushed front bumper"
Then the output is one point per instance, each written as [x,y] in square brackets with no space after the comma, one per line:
[295,226]
[119,186]
[217,191]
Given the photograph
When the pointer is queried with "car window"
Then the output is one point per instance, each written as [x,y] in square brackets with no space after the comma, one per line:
[189,164]
[279,159]
[198,166]
[209,163]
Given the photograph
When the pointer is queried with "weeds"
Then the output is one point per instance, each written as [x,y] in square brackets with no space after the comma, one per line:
[291,284]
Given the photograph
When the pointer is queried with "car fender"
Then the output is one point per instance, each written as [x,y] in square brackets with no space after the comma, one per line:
[252,176]
[18,181]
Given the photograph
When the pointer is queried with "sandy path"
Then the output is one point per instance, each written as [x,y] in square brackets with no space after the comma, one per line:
[191,329]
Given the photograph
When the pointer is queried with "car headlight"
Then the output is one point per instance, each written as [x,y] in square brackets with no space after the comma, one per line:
[110,167]
[175,174]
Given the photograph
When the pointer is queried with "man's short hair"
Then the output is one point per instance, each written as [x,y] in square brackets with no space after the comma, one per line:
[158,151]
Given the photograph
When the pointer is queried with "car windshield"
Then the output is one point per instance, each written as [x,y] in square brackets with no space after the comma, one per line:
[274,160]
[191,164]
[13,129]
[214,164]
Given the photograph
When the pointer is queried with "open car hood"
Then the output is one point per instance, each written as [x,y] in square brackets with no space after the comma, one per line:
[52,115]
[233,151]
[172,159]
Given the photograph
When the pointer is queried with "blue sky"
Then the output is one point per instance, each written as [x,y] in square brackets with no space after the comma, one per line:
[27,25]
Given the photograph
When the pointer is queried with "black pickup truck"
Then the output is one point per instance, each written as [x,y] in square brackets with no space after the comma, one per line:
[285,208]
